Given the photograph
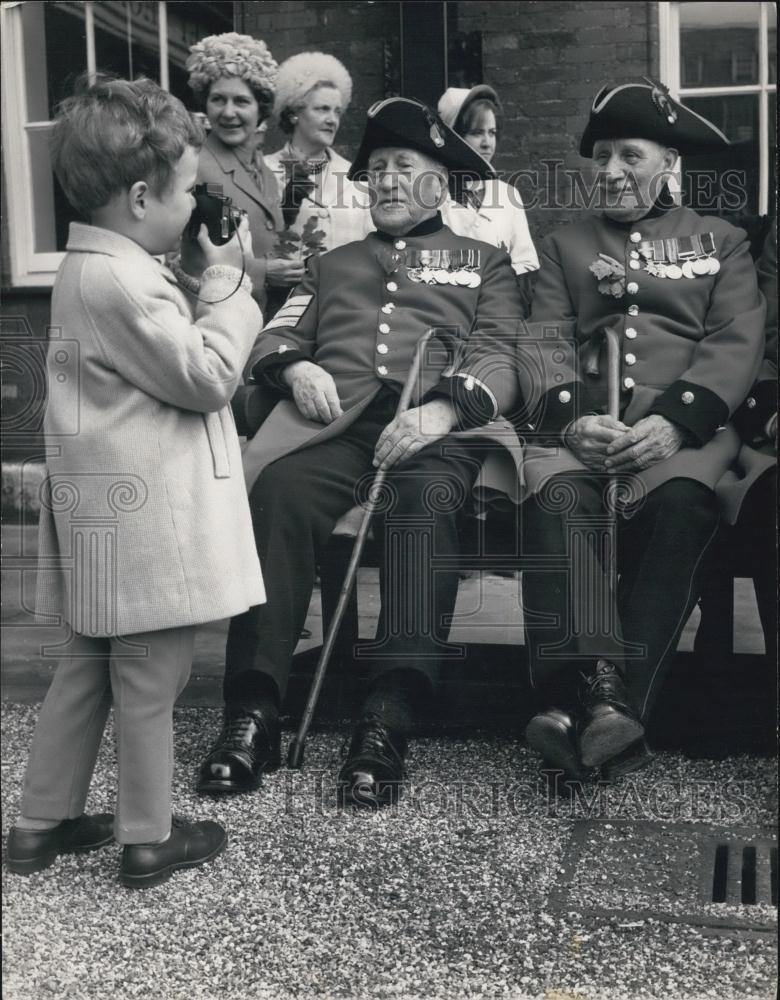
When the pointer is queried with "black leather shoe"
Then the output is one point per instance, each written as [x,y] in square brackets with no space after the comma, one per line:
[247,746]
[31,851]
[610,723]
[632,759]
[553,734]
[189,845]
[373,773]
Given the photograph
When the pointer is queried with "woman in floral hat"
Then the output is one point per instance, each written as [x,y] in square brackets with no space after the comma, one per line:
[233,77]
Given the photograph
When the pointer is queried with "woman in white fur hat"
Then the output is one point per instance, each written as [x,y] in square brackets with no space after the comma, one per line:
[322,209]
[490,210]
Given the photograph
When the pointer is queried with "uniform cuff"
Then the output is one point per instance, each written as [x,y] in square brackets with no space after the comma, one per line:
[474,402]
[752,416]
[694,408]
[269,368]
[561,405]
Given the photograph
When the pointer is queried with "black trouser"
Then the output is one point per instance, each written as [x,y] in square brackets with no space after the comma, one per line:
[572,614]
[756,533]
[295,504]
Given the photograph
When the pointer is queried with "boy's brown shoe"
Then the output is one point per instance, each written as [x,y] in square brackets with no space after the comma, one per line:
[189,845]
[31,851]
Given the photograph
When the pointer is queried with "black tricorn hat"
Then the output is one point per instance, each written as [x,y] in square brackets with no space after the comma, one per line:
[403,123]
[646,111]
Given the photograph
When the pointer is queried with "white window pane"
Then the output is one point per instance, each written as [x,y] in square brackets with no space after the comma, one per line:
[128,46]
[718,44]
[51,212]
[55,53]
[737,116]
[187,24]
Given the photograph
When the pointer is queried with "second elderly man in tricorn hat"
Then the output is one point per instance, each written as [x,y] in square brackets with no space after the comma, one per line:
[340,349]
[651,311]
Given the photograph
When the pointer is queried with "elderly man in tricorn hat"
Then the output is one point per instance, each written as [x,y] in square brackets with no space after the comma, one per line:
[340,350]
[675,294]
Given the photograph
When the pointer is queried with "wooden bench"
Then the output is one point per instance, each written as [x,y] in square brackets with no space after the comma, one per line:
[714,702]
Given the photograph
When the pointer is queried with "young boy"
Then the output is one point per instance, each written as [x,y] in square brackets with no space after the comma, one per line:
[145,530]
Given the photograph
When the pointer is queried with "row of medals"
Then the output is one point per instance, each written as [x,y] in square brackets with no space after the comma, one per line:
[665,258]
[445,267]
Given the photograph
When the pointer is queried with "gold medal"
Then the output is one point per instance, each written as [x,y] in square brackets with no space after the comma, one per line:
[674,272]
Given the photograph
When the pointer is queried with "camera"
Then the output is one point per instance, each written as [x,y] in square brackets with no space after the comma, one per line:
[216,210]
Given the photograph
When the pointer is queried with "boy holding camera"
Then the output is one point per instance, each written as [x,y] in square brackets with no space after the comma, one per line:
[145,530]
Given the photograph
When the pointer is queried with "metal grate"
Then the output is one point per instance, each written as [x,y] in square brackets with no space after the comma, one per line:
[743,873]
[722,879]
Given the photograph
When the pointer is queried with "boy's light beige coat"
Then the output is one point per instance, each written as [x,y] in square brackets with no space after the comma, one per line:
[145,522]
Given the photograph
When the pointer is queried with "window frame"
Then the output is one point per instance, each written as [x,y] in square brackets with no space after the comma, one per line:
[669,67]
[31,269]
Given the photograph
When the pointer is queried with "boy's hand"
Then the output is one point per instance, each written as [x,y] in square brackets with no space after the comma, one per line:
[230,254]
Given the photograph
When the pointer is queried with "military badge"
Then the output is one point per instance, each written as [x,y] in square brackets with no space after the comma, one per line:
[682,257]
[610,274]
[444,267]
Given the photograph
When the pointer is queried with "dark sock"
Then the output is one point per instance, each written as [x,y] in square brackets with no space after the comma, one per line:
[395,700]
[256,693]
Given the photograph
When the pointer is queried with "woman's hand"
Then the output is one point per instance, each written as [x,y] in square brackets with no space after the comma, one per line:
[314,391]
[230,254]
[283,272]
[651,440]
[412,431]
[589,437]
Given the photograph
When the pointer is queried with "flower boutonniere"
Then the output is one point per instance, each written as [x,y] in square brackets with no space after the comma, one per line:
[610,274]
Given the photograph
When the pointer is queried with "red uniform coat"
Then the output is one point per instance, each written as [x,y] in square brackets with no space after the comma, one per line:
[690,348]
[359,315]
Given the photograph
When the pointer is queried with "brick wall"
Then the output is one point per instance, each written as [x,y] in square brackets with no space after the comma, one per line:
[545,59]
[356,33]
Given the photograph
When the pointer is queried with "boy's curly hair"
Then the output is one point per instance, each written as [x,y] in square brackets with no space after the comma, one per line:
[112,133]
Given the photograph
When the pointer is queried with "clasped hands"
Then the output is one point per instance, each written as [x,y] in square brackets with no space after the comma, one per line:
[607,445]
[316,396]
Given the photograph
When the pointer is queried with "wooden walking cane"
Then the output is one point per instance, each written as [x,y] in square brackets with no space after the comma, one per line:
[295,753]
[612,338]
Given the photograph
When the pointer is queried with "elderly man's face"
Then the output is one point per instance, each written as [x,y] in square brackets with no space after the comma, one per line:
[631,174]
[406,188]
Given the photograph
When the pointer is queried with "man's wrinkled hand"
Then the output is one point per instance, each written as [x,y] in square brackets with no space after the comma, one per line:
[314,391]
[589,437]
[283,272]
[412,431]
[651,440]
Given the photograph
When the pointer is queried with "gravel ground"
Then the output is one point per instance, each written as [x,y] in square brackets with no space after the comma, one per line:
[443,897]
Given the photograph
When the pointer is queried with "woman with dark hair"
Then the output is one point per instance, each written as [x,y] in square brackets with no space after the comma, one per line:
[322,209]
[489,210]
[233,77]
